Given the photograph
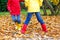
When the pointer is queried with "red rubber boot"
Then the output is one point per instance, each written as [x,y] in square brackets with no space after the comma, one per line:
[23,30]
[44,27]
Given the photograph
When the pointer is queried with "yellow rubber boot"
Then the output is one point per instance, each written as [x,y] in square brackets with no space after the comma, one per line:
[18,26]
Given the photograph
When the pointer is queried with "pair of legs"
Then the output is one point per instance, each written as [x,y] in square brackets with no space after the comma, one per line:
[39,18]
[16,18]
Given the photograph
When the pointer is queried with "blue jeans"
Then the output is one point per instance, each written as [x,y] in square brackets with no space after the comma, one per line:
[16,18]
[39,18]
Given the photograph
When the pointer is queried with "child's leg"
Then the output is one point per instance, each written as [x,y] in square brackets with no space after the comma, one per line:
[18,24]
[18,19]
[28,18]
[26,22]
[14,18]
[39,18]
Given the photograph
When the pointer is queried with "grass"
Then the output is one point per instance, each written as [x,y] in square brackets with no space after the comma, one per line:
[24,12]
[4,13]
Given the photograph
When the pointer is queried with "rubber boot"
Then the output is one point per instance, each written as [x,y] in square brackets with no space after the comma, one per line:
[44,27]
[23,30]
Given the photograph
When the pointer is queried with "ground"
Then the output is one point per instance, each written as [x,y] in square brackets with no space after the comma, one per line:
[34,31]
